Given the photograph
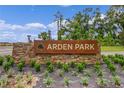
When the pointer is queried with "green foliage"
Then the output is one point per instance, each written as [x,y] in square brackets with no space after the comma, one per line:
[100,73]
[72,64]
[8,58]
[121,35]
[37,67]
[46,74]
[97,67]
[6,66]
[1,60]
[10,73]
[21,60]
[48,63]
[20,66]
[65,67]
[116,60]
[119,59]
[80,66]
[61,73]
[66,81]
[50,68]
[32,62]
[59,65]
[11,61]
[87,73]
[3,82]
[74,73]
[43,35]
[18,77]
[116,80]
[29,77]
[101,82]
[103,29]
[84,81]
[48,81]
[112,67]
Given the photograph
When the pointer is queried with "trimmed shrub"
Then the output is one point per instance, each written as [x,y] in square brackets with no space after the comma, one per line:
[111,67]
[84,81]
[116,60]
[20,66]
[6,66]
[50,68]
[72,64]
[66,81]
[61,73]
[11,61]
[81,66]
[48,81]
[46,74]
[101,82]
[117,80]
[32,62]
[22,61]
[3,81]
[48,63]
[37,67]
[121,62]
[59,65]
[65,67]
[8,57]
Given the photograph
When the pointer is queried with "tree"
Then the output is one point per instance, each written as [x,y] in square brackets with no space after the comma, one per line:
[59,20]
[43,35]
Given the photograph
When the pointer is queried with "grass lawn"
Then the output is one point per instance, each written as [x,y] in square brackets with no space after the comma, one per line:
[112,48]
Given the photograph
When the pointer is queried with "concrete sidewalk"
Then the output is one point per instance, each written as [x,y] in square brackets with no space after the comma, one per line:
[112,53]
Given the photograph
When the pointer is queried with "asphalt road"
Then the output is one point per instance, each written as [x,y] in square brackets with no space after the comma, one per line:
[7,50]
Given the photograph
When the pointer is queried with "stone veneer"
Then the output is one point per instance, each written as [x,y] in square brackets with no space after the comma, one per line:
[26,51]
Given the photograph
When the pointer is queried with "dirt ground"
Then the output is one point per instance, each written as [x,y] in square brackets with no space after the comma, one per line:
[74,80]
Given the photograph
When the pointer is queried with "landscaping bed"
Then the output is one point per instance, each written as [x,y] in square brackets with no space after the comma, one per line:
[109,74]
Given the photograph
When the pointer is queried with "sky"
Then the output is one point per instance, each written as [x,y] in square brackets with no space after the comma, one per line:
[16,22]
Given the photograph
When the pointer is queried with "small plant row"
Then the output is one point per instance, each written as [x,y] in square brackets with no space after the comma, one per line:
[109,62]
[19,79]
[100,80]
[7,62]
[119,59]
[110,65]
[78,66]
[98,69]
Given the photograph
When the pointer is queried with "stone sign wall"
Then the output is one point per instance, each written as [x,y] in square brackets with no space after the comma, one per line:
[27,51]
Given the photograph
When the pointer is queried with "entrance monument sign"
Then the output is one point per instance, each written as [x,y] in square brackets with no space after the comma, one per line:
[66,47]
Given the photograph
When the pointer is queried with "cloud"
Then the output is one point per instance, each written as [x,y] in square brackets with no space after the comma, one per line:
[7,36]
[2,21]
[15,32]
[28,26]
[18,33]
[35,25]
